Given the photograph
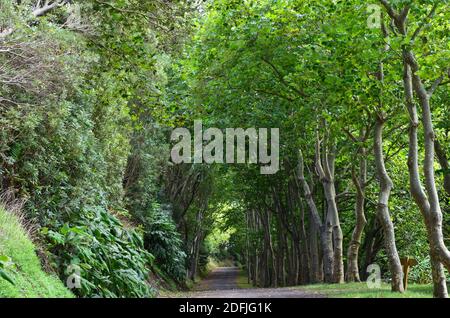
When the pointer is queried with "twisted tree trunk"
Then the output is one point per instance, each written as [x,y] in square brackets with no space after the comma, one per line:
[428,203]
[429,207]
[324,228]
[325,170]
[383,209]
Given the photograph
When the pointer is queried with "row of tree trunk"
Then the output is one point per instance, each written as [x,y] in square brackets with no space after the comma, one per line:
[308,246]
[319,255]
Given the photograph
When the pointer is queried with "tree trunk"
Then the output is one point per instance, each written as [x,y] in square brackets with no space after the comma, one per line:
[355,243]
[428,203]
[429,206]
[282,255]
[271,279]
[324,228]
[316,268]
[304,250]
[195,250]
[383,209]
[325,171]
[372,242]
[247,247]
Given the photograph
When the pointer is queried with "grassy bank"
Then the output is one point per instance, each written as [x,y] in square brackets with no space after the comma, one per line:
[25,271]
[360,290]
[242,280]
[354,290]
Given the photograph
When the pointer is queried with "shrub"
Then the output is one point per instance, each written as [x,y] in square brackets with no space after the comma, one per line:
[163,241]
[108,260]
[421,273]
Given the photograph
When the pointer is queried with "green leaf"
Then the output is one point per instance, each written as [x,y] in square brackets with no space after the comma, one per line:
[6,276]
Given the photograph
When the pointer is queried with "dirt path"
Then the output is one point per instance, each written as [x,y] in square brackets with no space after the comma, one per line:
[222,278]
[222,283]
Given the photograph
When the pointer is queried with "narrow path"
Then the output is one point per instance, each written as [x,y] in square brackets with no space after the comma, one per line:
[221,278]
[222,283]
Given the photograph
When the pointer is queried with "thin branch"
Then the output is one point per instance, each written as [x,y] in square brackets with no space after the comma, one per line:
[435,85]
[398,18]
[2,99]
[390,10]
[319,169]
[350,135]
[282,80]
[274,94]
[47,7]
[6,32]
[140,13]
[424,22]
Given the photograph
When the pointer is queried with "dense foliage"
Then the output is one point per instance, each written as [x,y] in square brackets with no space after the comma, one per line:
[82,135]
[91,90]
[162,238]
[331,76]
[109,260]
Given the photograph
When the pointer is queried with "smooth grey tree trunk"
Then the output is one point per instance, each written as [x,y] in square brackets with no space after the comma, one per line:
[428,202]
[383,209]
[431,213]
[325,170]
[324,228]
